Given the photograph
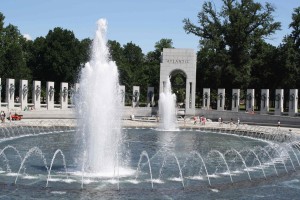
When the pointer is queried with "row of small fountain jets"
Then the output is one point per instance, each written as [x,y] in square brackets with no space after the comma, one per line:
[230,163]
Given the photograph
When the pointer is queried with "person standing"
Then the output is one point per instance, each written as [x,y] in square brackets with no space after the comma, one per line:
[2,116]
[278,124]
[201,120]
[238,122]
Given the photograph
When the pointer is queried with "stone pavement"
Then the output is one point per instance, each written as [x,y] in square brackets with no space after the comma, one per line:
[190,124]
[149,124]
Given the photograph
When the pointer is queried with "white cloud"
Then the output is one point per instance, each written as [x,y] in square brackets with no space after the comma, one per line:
[27,36]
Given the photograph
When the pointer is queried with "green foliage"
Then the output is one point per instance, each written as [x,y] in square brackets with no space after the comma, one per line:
[286,72]
[62,58]
[116,52]
[13,53]
[84,48]
[163,43]
[264,66]
[59,56]
[229,36]
[295,25]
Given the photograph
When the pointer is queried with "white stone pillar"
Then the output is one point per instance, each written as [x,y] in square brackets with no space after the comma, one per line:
[279,101]
[190,97]
[150,96]
[36,94]
[187,96]
[250,97]
[10,93]
[206,98]
[293,102]
[264,101]
[50,95]
[122,94]
[23,94]
[64,94]
[74,93]
[235,102]
[221,99]
[135,96]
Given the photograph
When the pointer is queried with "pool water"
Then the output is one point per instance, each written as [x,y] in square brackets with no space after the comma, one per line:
[185,164]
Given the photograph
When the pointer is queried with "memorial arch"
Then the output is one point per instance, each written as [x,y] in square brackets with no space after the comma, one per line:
[183,61]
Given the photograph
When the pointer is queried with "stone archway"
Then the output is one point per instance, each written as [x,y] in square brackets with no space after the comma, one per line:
[182,60]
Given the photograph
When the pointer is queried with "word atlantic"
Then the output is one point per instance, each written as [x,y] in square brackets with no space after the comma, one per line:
[177,61]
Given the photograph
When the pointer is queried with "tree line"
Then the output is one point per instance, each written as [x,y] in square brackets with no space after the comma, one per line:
[232,52]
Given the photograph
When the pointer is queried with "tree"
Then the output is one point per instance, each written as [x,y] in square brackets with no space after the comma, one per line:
[163,43]
[133,54]
[154,56]
[264,66]
[129,60]
[116,51]
[230,35]
[85,50]
[289,55]
[58,56]
[13,56]
[2,43]
[295,35]
[37,58]
[295,25]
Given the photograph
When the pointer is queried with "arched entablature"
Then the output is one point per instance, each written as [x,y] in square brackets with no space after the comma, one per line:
[180,61]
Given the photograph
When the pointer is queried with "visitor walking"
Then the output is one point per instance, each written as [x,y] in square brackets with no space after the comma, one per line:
[2,116]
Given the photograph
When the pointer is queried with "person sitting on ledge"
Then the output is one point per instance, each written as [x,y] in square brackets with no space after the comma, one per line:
[195,120]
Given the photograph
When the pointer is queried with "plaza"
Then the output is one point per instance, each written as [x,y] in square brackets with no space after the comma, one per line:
[173,61]
[98,118]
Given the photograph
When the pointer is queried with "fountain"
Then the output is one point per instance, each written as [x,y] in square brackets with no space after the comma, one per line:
[167,107]
[99,107]
[198,162]
[195,163]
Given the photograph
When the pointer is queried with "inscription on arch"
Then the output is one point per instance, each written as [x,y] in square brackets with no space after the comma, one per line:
[177,61]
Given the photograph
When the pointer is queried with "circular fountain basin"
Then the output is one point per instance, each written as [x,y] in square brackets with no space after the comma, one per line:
[185,164]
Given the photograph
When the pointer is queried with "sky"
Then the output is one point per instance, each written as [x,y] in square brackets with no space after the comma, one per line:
[142,22]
